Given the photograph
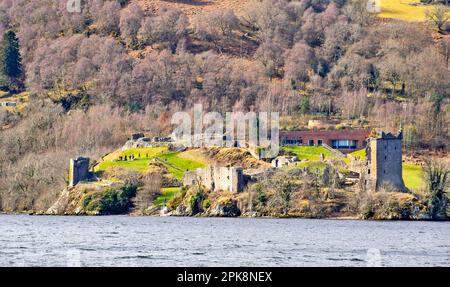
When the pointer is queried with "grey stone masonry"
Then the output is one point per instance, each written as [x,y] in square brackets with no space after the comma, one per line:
[384,162]
[78,170]
[216,178]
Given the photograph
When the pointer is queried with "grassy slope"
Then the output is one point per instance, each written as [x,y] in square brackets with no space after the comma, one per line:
[139,164]
[408,10]
[181,164]
[175,162]
[167,194]
[308,152]
[192,8]
[359,153]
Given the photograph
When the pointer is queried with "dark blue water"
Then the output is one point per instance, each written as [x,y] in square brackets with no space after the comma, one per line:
[161,241]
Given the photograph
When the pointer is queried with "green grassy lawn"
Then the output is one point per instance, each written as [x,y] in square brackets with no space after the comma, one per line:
[359,153]
[178,166]
[139,164]
[167,194]
[175,164]
[308,152]
[413,176]
[313,166]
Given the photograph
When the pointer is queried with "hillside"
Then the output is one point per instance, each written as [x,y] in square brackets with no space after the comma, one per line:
[194,7]
[408,10]
[84,82]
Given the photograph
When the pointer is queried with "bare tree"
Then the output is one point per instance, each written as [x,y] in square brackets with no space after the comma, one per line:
[217,27]
[151,187]
[439,16]
[271,56]
[300,61]
[130,23]
[167,28]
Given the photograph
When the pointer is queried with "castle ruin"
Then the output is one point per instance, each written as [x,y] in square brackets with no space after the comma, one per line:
[217,178]
[78,170]
[384,162]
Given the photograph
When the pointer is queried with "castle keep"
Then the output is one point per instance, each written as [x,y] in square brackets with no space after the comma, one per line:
[217,178]
[384,162]
[78,170]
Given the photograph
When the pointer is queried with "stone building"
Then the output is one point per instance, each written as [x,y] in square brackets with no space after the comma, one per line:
[281,161]
[139,140]
[384,162]
[8,104]
[216,178]
[78,170]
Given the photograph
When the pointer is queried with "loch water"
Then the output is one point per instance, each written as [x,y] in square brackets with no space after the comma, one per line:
[179,241]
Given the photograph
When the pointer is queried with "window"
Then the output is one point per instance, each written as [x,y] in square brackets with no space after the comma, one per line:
[319,142]
[368,171]
[344,144]
[311,142]
[292,142]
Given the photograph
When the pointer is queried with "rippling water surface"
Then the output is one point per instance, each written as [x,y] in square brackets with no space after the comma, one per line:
[173,241]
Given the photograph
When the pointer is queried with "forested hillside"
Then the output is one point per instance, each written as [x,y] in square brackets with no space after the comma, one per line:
[87,80]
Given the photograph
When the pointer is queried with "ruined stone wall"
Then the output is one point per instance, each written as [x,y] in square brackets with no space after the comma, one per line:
[217,178]
[78,170]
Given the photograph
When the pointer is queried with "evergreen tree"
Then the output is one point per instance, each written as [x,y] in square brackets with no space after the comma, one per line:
[10,62]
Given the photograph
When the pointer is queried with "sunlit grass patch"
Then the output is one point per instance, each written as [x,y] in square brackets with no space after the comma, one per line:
[413,176]
[178,165]
[195,155]
[361,154]
[408,10]
[166,194]
[312,166]
[140,163]
[308,152]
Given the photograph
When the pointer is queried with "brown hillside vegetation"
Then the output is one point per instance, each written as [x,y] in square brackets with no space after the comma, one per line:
[232,157]
[193,7]
[118,67]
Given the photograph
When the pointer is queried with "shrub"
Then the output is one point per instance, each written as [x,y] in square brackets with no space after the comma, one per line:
[111,201]
[390,205]
[437,173]
[176,200]
[206,204]
[196,202]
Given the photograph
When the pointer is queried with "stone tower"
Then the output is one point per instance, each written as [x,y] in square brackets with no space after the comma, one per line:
[384,162]
[78,170]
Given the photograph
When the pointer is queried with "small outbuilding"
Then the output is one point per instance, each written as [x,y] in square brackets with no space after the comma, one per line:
[8,104]
[283,161]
